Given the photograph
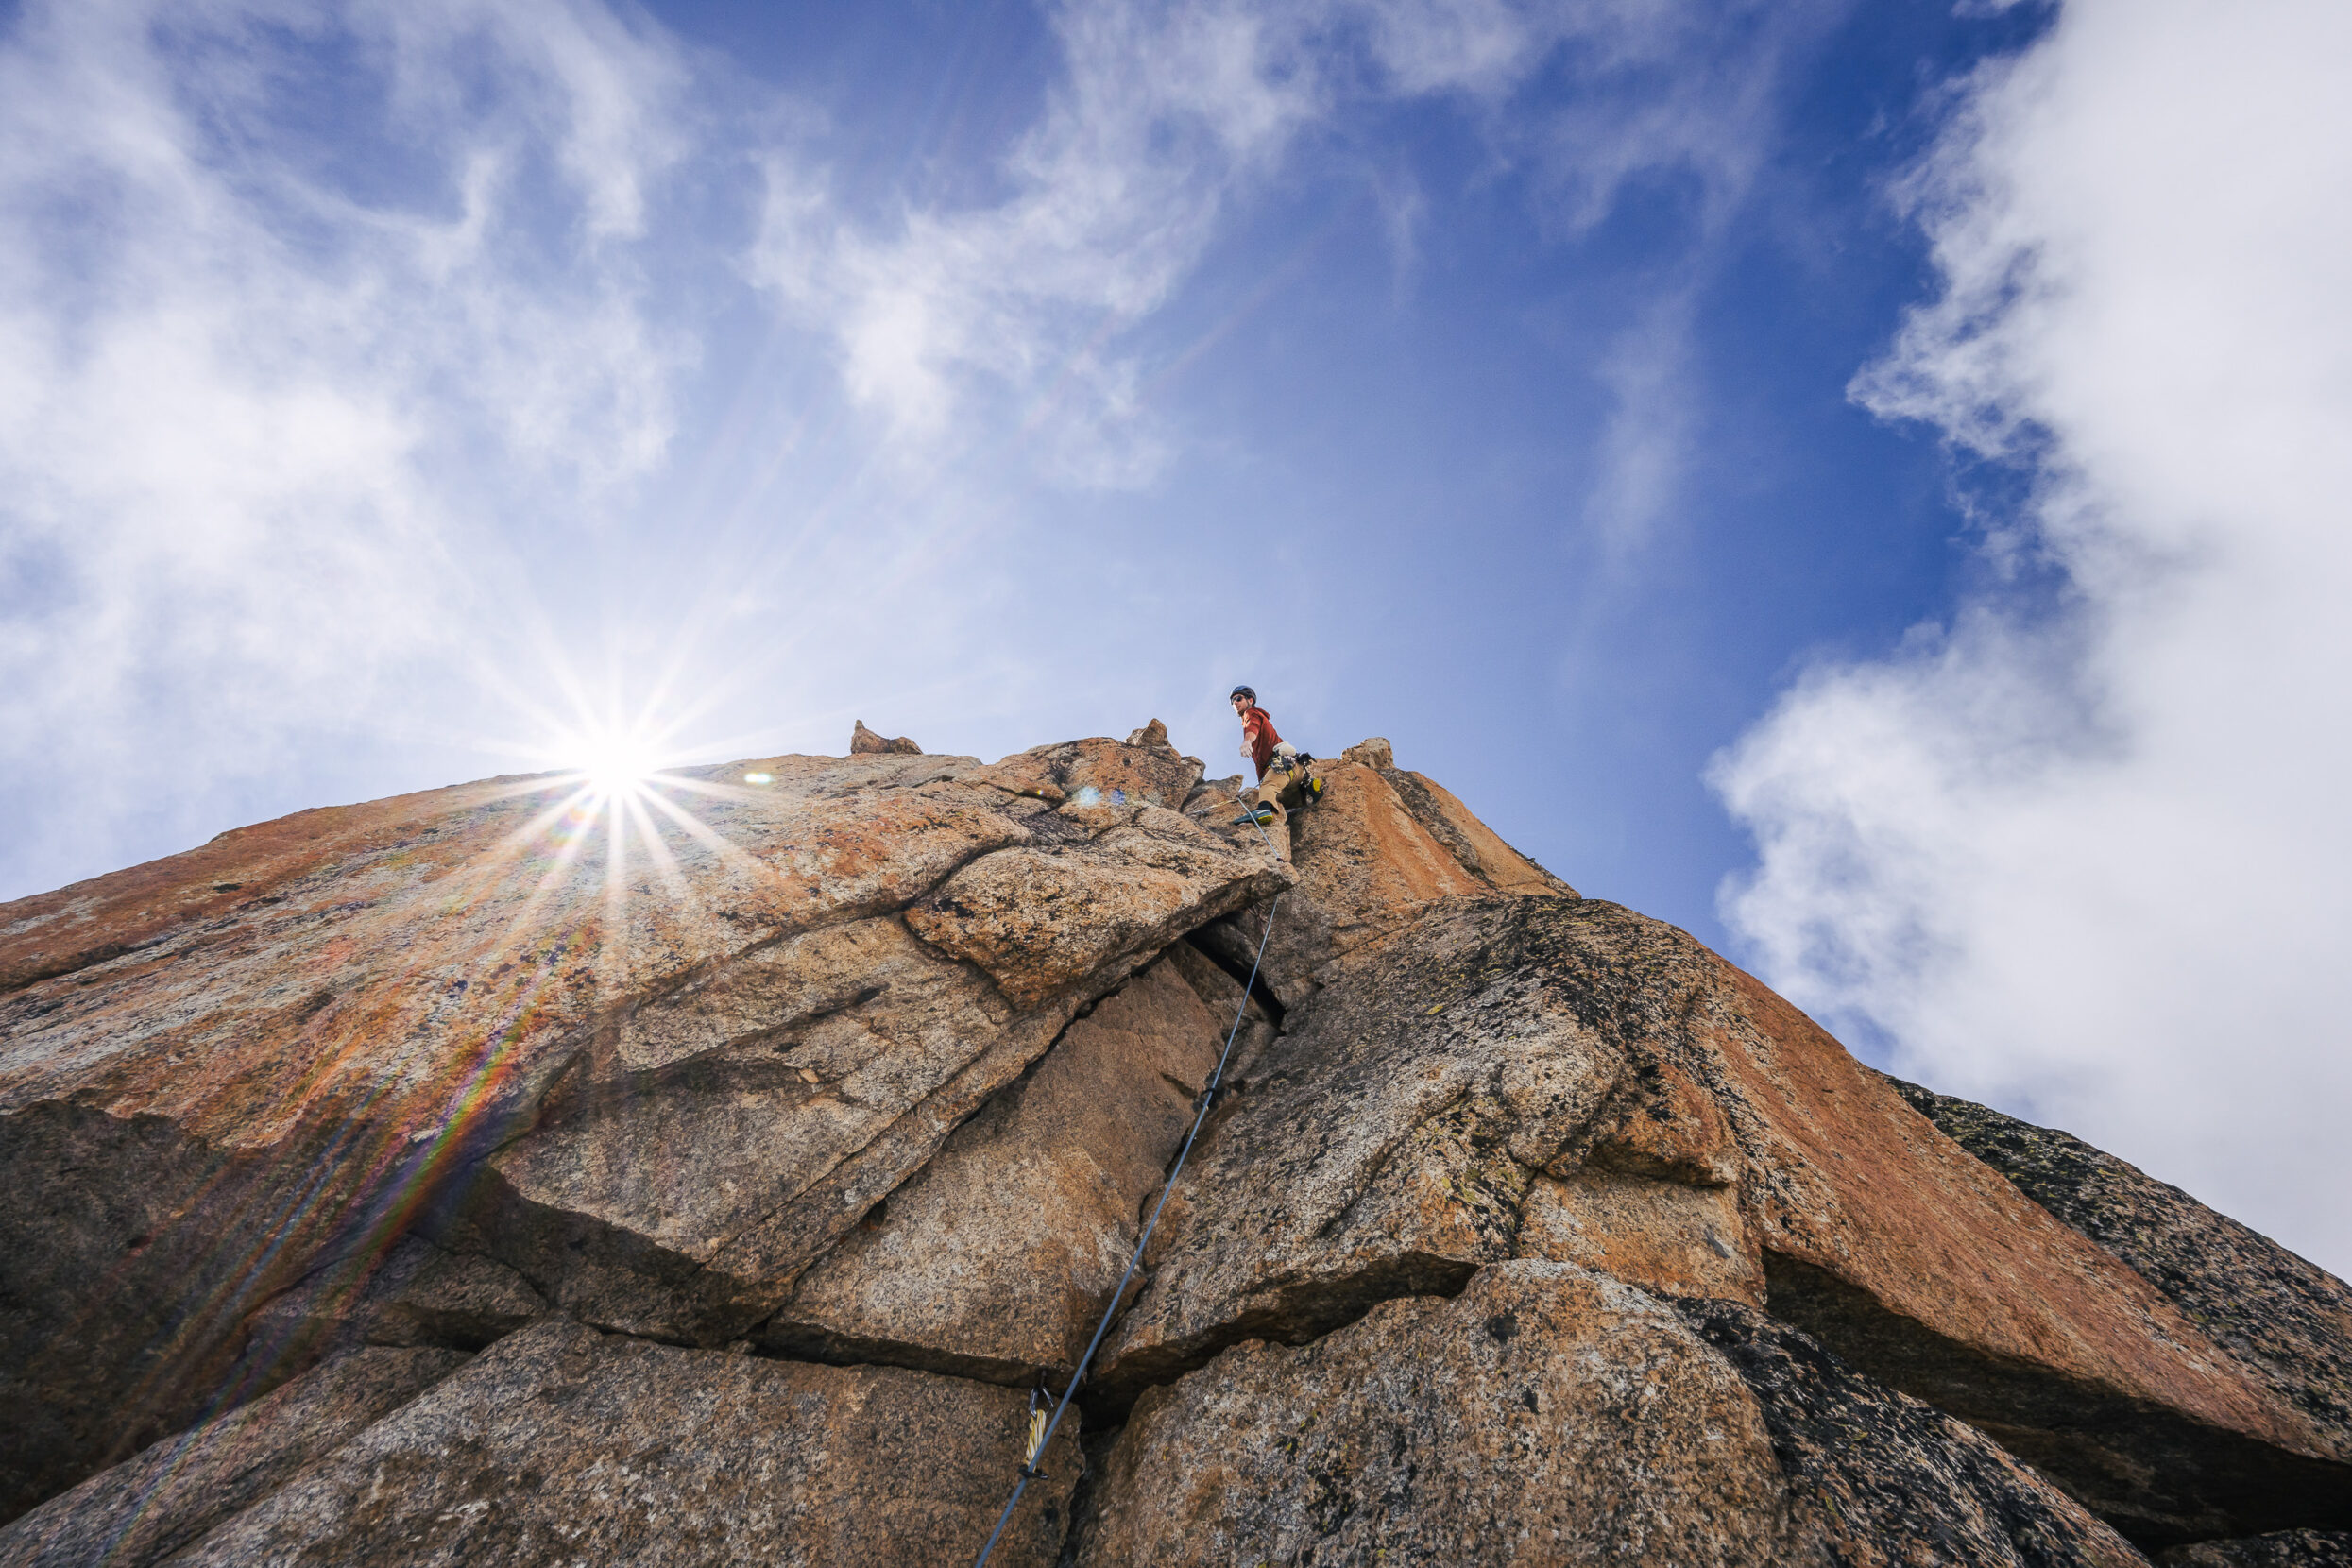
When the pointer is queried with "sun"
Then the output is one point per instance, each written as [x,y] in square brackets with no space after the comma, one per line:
[616,764]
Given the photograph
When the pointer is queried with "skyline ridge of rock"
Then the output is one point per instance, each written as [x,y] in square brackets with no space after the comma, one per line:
[489,1172]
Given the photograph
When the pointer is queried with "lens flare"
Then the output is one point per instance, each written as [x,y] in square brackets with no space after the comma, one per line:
[617,765]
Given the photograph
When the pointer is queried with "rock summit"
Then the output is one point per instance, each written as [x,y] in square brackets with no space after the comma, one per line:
[510,1174]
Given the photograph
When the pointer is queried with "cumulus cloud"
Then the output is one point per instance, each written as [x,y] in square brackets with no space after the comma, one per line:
[247,390]
[2081,849]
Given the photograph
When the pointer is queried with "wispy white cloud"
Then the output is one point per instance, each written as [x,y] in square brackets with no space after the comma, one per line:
[2082,849]
[1117,191]
[1170,112]
[328,326]
[246,395]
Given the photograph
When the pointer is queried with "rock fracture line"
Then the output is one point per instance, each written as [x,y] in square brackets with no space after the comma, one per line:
[1038,1440]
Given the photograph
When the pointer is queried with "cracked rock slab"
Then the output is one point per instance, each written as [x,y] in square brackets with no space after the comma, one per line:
[1038,919]
[688,1071]
[1385,1145]
[2287,1319]
[1545,1416]
[999,1257]
[304,1029]
[173,1495]
[560,1444]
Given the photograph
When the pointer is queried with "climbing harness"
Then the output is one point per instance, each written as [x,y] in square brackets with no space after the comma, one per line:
[1041,1429]
[1300,787]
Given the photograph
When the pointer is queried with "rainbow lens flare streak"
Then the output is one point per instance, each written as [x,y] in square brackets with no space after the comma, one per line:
[405,1140]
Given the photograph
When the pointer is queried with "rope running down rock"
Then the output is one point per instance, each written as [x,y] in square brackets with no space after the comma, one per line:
[1208,1099]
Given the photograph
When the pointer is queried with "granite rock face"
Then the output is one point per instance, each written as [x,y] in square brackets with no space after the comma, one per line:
[464,1178]
[999,1257]
[1543,1415]
[1551,1415]
[2289,1321]
[175,1494]
[1872,1476]
[657,1083]
[1515,1076]
[560,1444]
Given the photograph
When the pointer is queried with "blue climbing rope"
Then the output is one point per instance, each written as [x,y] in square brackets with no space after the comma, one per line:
[1208,1098]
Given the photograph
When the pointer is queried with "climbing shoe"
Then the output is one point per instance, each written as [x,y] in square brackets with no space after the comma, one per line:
[1262,815]
[1313,790]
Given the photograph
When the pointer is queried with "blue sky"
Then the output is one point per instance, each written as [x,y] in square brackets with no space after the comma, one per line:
[1858,482]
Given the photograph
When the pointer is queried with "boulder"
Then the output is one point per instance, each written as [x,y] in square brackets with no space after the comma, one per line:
[865,743]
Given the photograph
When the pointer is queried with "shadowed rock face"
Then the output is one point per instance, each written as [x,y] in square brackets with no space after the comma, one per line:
[175,1492]
[2281,1549]
[1874,1476]
[2289,1321]
[423,1187]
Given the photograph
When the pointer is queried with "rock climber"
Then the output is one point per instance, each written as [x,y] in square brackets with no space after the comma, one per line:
[1268,749]
[1258,738]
